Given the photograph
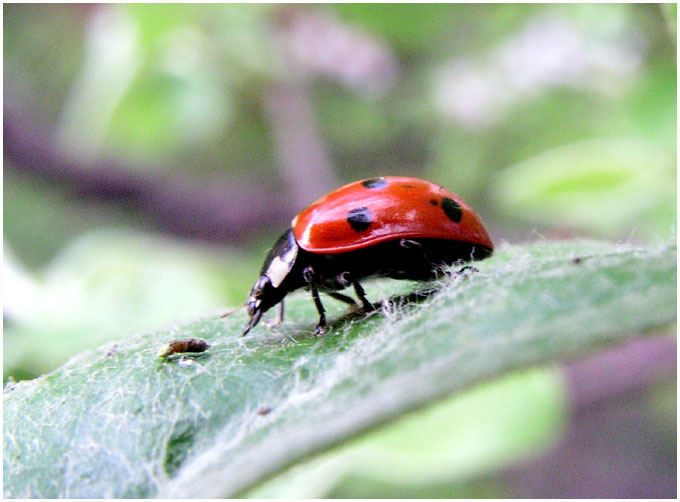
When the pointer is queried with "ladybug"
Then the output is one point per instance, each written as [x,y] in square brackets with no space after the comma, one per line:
[393,226]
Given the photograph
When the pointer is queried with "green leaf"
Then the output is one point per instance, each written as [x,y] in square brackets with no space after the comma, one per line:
[128,424]
[611,187]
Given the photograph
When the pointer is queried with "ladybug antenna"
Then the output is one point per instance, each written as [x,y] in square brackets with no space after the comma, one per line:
[235,310]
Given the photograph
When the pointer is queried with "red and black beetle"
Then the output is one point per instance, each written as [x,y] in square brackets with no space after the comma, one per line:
[394,226]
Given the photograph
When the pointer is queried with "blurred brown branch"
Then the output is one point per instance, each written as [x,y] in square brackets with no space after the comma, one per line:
[216,210]
[316,45]
[300,150]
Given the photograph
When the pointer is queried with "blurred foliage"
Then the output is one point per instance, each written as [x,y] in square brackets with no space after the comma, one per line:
[191,101]
[436,452]
[30,227]
[595,185]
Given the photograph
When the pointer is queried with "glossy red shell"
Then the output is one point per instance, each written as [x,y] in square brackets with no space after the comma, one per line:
[399,208]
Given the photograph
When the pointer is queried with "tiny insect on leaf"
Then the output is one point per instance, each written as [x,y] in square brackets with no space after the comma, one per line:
[181,346]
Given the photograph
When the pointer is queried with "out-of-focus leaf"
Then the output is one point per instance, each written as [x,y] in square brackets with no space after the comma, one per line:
[244,37]
[652,104]
[182,66]
[670,13]
[429,453]
[418,30]
[35,68]
[608,187]
[156,21]
[179,99]
[407,26]
[40,218]
[128,425]
[370,122]
[24,287]
[112,61]
[164,114]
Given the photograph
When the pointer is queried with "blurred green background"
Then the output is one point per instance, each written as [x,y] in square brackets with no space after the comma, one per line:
[152,153]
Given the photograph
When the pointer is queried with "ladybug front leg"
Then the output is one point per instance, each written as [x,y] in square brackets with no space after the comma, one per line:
[308,275]
[279,316]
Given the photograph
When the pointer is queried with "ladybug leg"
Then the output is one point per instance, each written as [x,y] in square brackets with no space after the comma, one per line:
[346,279]
[308,275]
[321,327]
[279,316]
[343,298]
[365,304]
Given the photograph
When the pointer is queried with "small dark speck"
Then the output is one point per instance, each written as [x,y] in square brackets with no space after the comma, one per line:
[265,410]
[434,202]
[406,185]
[10,384]
[576,260]
[112,351]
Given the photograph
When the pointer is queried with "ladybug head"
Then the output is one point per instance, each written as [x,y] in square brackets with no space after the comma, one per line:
[257,301]
[271,287]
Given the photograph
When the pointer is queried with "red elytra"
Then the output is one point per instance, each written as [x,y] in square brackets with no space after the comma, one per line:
[399,207]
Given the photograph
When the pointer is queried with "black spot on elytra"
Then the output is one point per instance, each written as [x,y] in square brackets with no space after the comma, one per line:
[374,183]
[452,209]
[434,202]
[360,218]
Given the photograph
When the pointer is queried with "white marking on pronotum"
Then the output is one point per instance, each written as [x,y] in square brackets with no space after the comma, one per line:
[305,235]
[280,266]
